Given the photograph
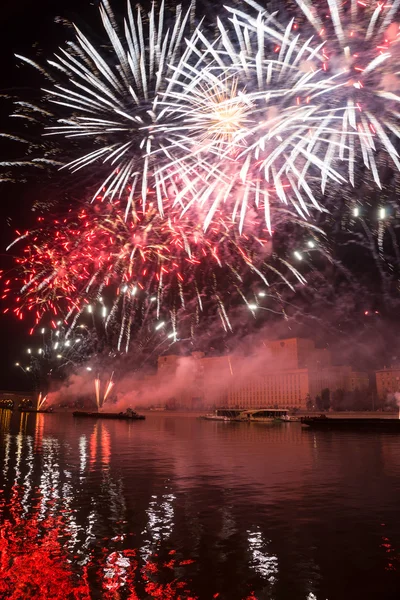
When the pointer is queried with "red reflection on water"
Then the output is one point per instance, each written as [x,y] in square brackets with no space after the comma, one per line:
[39,427]
[105,445]
[32,561]
[35,562]
[100,439]
[93,445]
[393,558]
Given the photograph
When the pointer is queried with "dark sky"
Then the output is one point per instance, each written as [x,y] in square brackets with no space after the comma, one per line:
[27,27]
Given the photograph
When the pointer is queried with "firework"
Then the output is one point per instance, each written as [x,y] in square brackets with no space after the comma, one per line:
[109,387]
[148,269]
[226,124]
[110,100]
[247,120]
[355,60]
[41,400]
[97,391]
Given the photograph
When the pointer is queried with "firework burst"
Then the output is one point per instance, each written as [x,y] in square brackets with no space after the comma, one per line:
[109,101]
[247,121]
[150,267]
[355,60]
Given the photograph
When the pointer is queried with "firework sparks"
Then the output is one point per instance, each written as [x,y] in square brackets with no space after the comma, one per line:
[109,387]
[148,268]
[354,62]
[114,97]
[41,400]
[97,391]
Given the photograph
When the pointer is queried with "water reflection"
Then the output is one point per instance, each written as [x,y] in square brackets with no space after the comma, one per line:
[178,508]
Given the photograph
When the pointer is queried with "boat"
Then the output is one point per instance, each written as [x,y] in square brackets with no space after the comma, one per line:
[214,417]
[241,415]
[265,415]
[289,419]
[352,424]
[128,415]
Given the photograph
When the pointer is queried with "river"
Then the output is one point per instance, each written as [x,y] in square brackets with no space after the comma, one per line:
[178,508]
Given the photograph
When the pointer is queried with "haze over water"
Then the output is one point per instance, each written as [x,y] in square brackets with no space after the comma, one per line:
[178,508]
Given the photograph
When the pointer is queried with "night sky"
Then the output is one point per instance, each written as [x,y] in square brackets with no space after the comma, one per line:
[31,29]
[26,28]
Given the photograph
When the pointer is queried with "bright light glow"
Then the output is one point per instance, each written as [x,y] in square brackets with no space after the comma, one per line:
[40,351]
[104,311]
[297,255]
[356,212]
[67,343]
[59,355]
[56,346]
[262,294]
[310,244]
[252,306]
[17,365]
[90,308]
[29,351]
[382,213]
[153,299]
[43,330]
[159,325]
[88,368]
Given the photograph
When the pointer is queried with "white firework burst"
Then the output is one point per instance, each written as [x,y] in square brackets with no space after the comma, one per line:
[357,65]
[111,99]
[245,116]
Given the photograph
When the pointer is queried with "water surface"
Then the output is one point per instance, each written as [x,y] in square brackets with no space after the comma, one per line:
[178,508]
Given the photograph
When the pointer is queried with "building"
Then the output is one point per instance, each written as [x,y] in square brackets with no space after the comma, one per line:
[387,382]
[287,388]
[284,373]
[358,380]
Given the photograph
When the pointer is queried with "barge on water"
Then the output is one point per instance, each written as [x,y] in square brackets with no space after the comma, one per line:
[352,424]
[253,415]
[128,415]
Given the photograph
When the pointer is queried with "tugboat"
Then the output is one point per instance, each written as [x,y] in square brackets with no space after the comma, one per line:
[128,415]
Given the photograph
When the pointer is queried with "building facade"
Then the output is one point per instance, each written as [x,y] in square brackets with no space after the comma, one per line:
[387,382]
[283,373]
